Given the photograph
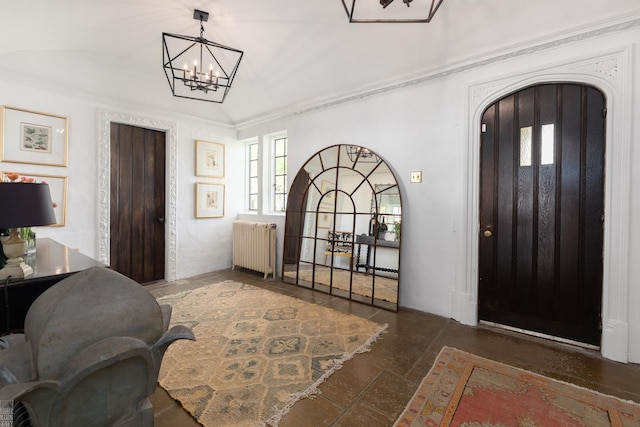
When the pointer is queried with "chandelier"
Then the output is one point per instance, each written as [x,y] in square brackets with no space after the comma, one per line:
[361,154]
[197,68]
[388,11]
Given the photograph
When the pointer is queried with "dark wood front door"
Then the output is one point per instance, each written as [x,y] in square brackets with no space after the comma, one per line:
[542,211]
[137,202]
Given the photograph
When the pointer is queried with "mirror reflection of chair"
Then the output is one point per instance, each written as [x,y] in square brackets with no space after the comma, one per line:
[339,243]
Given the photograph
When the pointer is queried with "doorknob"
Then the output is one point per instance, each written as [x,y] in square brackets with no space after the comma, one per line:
[160,219]
[487,232]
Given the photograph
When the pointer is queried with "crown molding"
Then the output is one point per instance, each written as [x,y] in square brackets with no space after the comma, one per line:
[559,39]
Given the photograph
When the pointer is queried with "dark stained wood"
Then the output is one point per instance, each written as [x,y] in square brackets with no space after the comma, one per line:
[296,206]
[523,255]
[51,263]
[137,202]
[541,270]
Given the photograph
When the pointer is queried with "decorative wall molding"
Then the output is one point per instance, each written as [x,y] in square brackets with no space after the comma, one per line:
[611,73]
[104,184]
[469,64]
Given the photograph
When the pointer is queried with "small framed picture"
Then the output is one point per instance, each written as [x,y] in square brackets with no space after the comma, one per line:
[209,200]
[325,219]
[209,159]
[32,137]
[57,187]
[327,188]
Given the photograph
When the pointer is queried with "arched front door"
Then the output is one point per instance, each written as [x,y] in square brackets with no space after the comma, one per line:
[542,211]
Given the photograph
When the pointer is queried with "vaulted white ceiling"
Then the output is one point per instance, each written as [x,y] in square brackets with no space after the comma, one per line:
[297,53]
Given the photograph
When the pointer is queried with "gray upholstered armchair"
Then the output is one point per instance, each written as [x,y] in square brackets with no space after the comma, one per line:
[90,353]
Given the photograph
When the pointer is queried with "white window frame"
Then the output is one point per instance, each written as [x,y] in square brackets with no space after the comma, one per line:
[248,143]
[271,139]
[266,173]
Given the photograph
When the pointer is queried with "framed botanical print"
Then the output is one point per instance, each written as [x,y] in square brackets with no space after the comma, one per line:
[32,137]
[57,187]
[325,219]
[209,200]
[209,159]
[328,187]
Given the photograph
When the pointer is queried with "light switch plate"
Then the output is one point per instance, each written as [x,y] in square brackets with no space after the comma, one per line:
[416,176]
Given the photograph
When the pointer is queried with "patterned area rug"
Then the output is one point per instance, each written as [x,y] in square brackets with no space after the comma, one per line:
[466,390]
[386,288]
[256,352]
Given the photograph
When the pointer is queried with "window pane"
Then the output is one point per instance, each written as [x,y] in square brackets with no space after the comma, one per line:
[547,148]
[279,177]
[279,203]
[525,146]
[281,147]
[253,177]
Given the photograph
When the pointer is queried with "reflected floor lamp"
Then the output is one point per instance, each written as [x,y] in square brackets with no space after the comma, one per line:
[23,205]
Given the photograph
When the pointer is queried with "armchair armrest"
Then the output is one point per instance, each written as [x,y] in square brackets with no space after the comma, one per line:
[102,354]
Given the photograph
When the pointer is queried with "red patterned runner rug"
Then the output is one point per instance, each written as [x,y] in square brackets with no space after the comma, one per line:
[467,390]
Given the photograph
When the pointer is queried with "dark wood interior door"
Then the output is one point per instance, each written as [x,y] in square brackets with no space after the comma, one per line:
[137,202]
[542,211]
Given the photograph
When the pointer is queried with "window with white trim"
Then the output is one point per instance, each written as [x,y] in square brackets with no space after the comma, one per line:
[267,173]
[253,177]
[279,174]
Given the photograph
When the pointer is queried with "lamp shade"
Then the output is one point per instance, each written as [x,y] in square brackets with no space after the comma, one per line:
[25,205]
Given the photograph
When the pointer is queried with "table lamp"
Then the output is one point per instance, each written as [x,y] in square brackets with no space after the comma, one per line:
[23,205]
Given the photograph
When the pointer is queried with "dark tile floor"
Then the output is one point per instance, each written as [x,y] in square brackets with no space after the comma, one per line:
[372,389]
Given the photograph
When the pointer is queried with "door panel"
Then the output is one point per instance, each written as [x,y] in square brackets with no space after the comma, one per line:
[137,202]
[541,211]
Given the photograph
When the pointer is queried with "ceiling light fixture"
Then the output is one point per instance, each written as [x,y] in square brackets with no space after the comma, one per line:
[361,154]
[197,68]
[370,10]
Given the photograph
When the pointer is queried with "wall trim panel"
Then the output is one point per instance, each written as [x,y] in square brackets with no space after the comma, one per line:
[611,73]
[104,176]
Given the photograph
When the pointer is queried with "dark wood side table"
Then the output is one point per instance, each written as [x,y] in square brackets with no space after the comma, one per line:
[370,241]
[51,263]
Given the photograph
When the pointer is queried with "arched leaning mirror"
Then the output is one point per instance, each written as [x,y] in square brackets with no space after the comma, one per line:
[342,231]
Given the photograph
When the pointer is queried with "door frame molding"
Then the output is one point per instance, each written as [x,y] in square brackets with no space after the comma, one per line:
[610,72]
[104,183]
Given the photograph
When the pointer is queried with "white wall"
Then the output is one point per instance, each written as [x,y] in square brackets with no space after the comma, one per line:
[81,219]
[427,125]
[424,125]
[202,245]
[410,135]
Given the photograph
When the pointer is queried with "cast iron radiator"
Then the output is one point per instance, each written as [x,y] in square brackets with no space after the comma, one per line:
[254,246]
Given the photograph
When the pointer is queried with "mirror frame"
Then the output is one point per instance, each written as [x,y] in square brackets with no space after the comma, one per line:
[320,198]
